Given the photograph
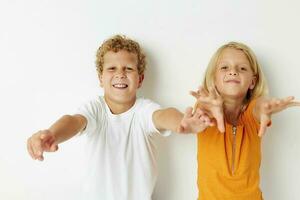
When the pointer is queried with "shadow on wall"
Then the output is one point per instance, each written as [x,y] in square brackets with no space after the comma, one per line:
[150,84]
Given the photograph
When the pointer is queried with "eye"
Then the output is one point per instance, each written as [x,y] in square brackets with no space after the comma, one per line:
[112,68]
[243,68]
[129,69]
[224,67]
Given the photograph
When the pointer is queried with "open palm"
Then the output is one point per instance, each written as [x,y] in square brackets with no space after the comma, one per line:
[194,122]
[268,107]
[212,103]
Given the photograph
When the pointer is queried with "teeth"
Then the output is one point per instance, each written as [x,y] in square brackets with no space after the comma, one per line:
[120,85]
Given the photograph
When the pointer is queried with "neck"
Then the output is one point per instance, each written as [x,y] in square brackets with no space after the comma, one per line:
[232,109]
[119,107]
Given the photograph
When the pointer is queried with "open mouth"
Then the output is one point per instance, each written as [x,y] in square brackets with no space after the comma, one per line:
[120,86]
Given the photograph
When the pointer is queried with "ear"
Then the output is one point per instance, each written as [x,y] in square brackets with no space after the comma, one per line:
[100,79]
[253,82]
[141,79]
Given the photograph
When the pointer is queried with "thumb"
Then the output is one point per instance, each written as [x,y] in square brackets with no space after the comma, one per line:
[264,123]
[180,129]
[54,147]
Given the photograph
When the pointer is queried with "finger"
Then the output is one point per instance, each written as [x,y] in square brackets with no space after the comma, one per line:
[202,91]
[215,92]
[37,147]
[29,149]
[212,92]
[47,140]
[204,100]
[41,157]
[212,122]
[202,119]
[188,112]
[290,102]
[38,152]
[206,120]
[294,104]
[264,123]
[262,129]
[289,98]
[195,94]
[209,123]
[54,147]
[281,104]
[198,113]
[220,123]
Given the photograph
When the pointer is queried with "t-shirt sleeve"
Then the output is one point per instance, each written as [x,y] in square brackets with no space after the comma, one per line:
[91,111]
[147,110]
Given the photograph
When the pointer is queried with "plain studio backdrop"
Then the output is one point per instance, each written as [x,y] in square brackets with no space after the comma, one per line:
[47,50]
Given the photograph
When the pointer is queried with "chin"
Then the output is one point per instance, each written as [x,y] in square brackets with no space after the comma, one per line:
[123,99]
[234,95]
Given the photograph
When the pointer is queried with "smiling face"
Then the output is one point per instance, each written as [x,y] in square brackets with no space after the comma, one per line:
[233,74]
[120,78]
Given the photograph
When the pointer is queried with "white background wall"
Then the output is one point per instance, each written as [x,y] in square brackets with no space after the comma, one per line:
[47,53]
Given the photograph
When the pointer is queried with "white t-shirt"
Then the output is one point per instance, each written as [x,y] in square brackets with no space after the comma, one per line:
[120,151]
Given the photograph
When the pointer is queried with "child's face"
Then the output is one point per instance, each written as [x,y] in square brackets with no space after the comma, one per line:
[120,78]
[234,75]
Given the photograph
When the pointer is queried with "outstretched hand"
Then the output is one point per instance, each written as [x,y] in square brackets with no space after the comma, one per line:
[212,104]
[194,122]
[40,142]
[267,107]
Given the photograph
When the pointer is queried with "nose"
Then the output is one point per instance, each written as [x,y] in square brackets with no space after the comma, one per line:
[120,74]
[233,72]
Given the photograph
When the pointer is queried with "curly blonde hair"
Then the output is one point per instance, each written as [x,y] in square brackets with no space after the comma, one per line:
[260,89]
[118,43]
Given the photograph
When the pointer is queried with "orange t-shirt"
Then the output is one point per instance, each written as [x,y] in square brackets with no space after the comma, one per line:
[228,163]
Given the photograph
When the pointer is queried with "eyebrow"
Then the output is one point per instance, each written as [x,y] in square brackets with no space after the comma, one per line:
[226,62]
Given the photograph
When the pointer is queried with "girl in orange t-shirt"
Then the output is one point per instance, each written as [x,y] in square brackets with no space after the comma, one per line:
[233,97]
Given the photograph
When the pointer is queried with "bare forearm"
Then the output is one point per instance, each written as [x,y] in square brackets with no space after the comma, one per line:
[167,119]
[67,126]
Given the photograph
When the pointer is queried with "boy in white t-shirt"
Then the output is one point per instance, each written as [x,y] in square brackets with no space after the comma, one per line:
[118,127]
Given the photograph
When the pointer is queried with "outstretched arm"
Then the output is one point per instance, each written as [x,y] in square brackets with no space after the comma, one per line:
[174,120]
[48,140]
[265,107]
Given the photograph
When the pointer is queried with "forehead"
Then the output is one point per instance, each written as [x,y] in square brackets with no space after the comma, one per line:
[233,55]
[120,57]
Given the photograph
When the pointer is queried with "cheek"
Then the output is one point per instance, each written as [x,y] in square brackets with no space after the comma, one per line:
[105,80]
[218,79]
[134,78]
